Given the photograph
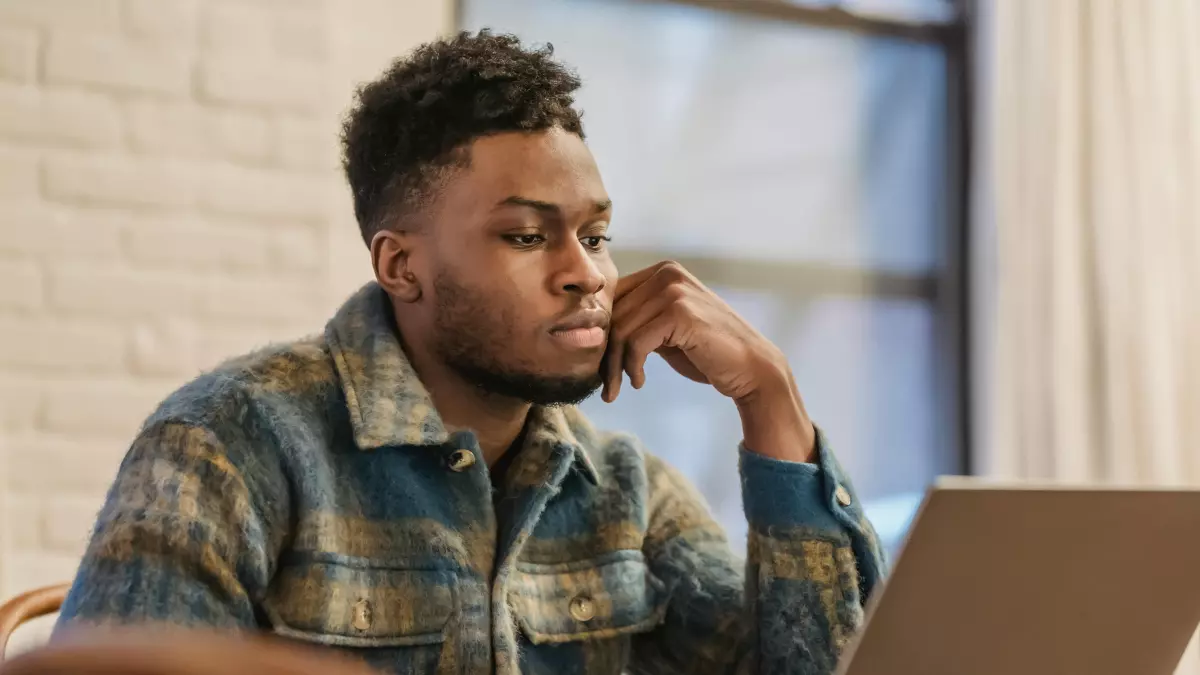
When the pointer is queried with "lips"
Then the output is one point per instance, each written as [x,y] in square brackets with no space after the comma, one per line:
[584,330]
[590,318]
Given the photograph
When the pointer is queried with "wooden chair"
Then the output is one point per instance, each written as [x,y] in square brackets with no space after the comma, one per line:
[27,607]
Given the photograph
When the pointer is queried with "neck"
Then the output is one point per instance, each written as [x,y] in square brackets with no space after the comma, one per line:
[495,420]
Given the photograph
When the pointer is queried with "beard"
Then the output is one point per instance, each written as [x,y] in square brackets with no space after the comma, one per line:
[477,339]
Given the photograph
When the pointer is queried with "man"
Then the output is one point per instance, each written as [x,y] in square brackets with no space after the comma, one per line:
[415,485]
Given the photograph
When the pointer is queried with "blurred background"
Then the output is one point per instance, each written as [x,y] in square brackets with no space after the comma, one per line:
[969,224]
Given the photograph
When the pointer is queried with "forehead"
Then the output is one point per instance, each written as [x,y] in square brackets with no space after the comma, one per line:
[553,166]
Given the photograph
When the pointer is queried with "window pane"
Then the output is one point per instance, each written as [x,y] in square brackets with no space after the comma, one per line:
[727,135]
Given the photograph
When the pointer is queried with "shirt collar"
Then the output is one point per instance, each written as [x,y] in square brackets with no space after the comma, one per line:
[389,405]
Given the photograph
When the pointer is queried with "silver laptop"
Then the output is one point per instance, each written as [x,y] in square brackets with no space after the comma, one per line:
[1028,580]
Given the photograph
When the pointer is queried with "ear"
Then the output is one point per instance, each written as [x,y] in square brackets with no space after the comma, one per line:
[391,256]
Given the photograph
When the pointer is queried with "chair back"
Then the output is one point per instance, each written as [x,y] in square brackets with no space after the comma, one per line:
[27,607]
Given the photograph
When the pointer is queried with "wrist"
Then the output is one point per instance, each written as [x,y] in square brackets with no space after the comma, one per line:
[774,422]
[774,390]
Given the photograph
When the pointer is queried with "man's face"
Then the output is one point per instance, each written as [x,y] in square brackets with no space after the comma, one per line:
[522,278]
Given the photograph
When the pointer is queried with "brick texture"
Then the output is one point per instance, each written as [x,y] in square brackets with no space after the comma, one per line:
[20,285]
[18,407]
[169,188]
[264,83]
[162,21]
[43,232]
[295,31]
[58,14]
[118,181]
[45,465]
[58,118]
[18,54]
[114,62]
[58,345]
[181,129]
[19,173]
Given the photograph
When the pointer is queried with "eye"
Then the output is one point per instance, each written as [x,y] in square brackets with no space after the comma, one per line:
[596,243]
[525,240]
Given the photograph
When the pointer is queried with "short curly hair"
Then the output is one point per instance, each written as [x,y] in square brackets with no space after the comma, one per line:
[411,125]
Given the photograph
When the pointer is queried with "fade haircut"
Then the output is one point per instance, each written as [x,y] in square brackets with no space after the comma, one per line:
[411,127]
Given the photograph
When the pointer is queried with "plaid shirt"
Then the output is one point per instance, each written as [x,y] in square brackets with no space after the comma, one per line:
[312,491]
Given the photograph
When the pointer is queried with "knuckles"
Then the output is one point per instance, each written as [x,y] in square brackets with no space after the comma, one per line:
[675,293]
[670,273]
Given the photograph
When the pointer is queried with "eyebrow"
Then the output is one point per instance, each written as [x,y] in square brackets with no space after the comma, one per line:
[548,207]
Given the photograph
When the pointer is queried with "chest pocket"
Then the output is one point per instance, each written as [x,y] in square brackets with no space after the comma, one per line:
[362,606]
[607,597]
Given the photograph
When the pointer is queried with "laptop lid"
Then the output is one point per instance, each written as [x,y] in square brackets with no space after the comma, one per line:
[1029,580]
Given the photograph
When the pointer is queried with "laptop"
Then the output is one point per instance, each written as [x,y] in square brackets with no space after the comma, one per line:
[1037,580]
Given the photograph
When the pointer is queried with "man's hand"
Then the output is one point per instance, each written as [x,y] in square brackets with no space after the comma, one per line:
[665,310]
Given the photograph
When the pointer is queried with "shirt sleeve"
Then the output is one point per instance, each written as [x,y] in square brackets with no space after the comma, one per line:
[188,535]
[812,560]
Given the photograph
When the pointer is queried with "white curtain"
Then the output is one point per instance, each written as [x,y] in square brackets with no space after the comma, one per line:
[1089,283]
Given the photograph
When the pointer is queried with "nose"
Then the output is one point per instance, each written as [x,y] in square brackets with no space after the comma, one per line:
[579,274]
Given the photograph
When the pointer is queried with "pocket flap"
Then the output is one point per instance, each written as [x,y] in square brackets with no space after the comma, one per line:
[604,597]
[361,606]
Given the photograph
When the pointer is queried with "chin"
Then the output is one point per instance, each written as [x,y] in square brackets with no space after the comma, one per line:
[581,369]
[561,389]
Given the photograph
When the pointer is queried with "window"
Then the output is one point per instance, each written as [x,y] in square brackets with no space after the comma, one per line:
[807,174]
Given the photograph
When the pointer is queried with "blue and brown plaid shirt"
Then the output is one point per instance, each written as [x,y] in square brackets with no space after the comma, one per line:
[312,491]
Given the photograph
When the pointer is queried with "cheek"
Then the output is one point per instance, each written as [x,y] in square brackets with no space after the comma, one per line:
[528,276]
[513,301]
[519,291]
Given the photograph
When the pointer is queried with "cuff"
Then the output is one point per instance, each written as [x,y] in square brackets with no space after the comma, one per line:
[776,493]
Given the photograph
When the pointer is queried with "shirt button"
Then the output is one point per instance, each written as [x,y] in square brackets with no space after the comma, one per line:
[842,495]
[461,460]
[582,608]
[362,615]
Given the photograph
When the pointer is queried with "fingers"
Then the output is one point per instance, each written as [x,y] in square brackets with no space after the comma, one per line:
[627,283]
[657,332]
[633,321]
[638,299]
[664,273]
[626,311]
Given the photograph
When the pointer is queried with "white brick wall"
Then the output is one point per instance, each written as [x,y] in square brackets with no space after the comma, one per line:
[169,196]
